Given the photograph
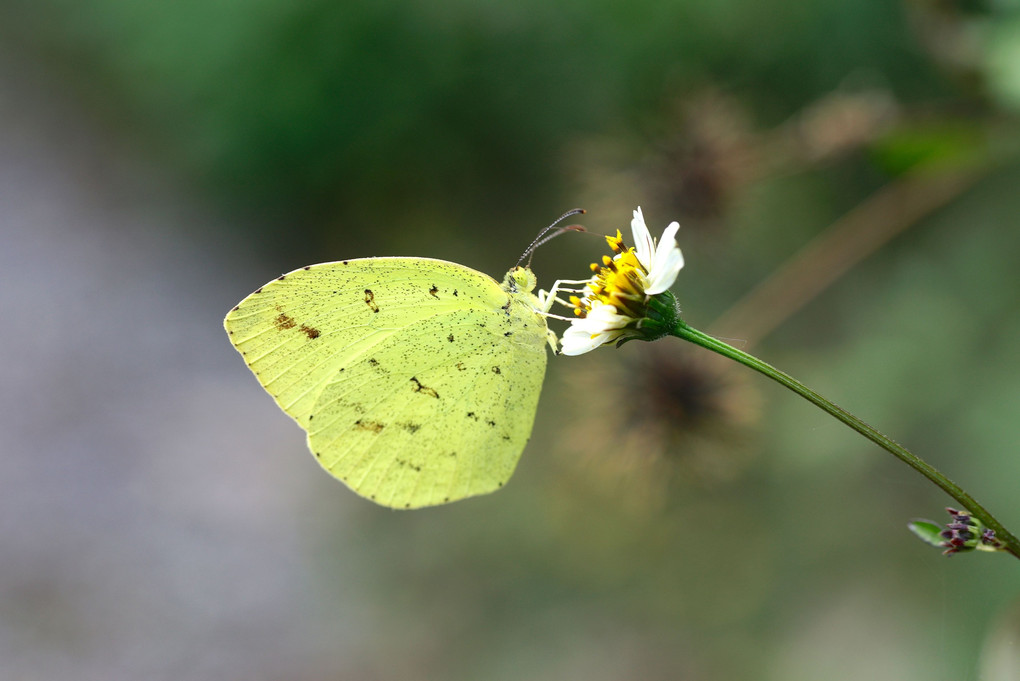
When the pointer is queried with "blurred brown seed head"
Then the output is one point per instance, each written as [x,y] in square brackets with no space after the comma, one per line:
[839,123]
[666,419]
[708,154]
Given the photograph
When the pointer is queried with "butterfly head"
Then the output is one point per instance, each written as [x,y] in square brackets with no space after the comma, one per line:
[520,280]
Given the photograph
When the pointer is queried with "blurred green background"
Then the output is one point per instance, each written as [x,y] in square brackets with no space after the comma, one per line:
[672,517]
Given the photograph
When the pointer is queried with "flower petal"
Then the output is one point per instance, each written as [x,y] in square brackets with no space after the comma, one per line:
[577,342]
[604,317]
[644,245]
[668,262]
[602,325]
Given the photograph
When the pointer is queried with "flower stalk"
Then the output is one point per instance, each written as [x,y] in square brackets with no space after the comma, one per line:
[1009,542]
[628,298]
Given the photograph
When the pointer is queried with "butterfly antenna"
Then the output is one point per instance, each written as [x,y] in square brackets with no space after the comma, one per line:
[544,235]
[550,237]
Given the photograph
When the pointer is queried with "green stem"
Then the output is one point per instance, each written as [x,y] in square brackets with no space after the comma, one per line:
[682,330]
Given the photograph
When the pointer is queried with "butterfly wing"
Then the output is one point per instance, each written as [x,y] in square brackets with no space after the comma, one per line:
[416,380]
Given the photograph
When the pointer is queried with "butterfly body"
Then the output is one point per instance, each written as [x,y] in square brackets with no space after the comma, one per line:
[416,380]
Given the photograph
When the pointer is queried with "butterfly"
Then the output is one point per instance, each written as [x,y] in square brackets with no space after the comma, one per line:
[416,380]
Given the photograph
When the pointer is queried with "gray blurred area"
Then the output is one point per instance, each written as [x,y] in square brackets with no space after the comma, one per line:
[672,517]
[142,537]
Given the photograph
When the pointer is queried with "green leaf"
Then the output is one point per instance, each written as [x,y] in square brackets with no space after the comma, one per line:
[940,145]
[926,531]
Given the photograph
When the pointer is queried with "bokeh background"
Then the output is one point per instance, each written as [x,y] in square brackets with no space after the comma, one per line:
[846,174]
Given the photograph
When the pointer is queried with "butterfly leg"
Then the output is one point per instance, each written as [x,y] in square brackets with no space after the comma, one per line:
[546,300]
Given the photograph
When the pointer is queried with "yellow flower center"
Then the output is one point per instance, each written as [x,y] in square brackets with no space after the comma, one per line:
[619,282]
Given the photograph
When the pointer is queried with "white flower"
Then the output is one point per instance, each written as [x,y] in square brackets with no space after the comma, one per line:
[616,298]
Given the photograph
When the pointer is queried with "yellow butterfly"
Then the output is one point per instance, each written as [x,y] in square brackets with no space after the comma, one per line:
[416,380]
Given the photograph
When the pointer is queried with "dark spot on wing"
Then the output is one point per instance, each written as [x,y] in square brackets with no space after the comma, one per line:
[507,438]
[506,307]
[259,290]
[496,370]
[460,366]
[434,291]
[281,277]
[472,415]
[450,338]
[370,300]
[492,424]
[371,426]
[309,331]
[306,268]
[374,362]
[283,322]
[455,292]
[419,388]
[404,463]
[509,333]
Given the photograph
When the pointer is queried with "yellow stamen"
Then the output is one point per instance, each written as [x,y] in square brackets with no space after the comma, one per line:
[618,282]
[615,243]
